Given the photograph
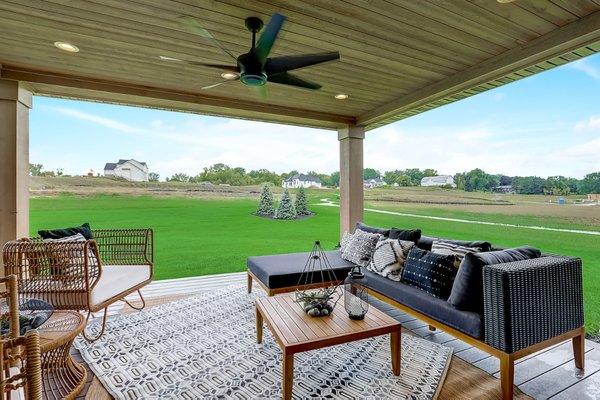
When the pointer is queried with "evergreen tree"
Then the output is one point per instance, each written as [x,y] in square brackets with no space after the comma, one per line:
[301,203]
[286,209]
[266,205]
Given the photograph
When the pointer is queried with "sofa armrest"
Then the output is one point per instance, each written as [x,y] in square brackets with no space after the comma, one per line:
[527,302]
[125,246]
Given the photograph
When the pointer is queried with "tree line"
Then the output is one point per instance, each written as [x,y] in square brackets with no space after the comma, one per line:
[474,180]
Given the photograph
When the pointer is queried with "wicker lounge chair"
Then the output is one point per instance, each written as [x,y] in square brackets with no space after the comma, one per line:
[20,359]
[88,275]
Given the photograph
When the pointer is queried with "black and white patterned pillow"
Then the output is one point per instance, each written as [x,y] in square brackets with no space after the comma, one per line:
[68,261]
[430,272]
[360,248]
[449,248]
[389,257]
[346,237]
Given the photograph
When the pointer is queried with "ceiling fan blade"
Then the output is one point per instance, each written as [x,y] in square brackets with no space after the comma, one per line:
[268,36]
[195,26]
[276,65]
[201,64]
[218,84]
[263,91]
[285,78]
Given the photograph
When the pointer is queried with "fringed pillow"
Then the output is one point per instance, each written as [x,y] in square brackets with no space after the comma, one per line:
[389,257]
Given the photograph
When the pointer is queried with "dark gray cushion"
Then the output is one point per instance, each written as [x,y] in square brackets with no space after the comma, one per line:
[467,322]
[467,291]
[425,242]
[410,235]
[284,270]
[372,229]
[83,229]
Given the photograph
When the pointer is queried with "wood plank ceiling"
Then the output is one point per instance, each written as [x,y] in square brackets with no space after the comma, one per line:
[398,58]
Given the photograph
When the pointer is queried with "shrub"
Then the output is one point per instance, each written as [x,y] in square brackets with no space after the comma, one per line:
[286,209]
[301,202]
[266,205]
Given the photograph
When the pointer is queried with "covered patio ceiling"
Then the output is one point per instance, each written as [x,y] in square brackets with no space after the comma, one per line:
[398,58]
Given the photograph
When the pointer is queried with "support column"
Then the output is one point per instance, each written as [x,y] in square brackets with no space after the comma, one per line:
[15,103]
[351,177]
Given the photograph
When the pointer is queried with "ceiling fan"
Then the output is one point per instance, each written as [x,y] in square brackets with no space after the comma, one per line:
[255,68]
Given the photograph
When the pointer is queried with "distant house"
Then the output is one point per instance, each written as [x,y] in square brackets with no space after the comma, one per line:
[509,189]
[373,183]
[132,170]
[439,180]
[301,180]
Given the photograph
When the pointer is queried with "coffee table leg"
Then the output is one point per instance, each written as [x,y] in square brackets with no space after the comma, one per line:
[259,326]
[395,348]
[288,375]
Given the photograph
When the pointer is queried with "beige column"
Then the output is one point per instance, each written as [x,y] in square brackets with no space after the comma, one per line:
[15,102]
[351,177]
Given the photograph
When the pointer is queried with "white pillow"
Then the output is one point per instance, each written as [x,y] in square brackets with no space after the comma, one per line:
[69,263]
[389,257]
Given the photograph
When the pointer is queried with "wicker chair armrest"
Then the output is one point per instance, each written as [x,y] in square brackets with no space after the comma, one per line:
[125,246]
[45,270]
[527,302]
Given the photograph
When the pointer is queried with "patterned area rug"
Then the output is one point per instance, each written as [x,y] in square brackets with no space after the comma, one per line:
[205,347]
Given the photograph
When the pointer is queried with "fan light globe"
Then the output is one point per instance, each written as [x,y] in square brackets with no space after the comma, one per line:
[253,80]
[229,75]
[341,96]
[66,47]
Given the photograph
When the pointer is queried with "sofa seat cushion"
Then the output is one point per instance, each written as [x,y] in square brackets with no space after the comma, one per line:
[116,279]
[284,270]
[467,322]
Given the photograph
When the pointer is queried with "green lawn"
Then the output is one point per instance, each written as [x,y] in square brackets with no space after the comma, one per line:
[198,237]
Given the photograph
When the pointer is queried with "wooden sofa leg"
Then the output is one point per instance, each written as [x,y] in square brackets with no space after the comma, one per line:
[249,283]
[432,328]
[579,350]
[507,376]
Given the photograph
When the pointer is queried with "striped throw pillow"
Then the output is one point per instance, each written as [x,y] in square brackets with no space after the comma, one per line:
[67,263]
[458,251]
[389,257]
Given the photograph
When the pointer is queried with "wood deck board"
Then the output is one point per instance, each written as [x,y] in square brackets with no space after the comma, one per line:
[541,375]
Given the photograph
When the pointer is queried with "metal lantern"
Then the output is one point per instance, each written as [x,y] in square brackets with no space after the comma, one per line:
[356,294]
[319,274]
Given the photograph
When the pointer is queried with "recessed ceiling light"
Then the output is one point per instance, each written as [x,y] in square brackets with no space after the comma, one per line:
[341,96]
[67,47]
[504,1]
[168,58]
[229,75]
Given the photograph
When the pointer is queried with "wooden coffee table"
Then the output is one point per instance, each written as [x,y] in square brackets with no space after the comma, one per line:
[295,331]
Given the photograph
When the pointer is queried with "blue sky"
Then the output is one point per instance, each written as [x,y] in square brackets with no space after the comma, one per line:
[547,124]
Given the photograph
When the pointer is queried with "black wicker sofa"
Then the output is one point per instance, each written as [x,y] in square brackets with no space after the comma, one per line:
[527,305]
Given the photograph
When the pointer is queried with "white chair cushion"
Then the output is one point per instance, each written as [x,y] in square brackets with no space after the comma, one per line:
[19,393]
[116,279]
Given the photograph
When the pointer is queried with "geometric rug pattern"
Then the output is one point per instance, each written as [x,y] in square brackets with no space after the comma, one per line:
[204,347]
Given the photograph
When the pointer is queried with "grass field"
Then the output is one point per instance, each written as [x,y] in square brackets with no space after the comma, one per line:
[198,236]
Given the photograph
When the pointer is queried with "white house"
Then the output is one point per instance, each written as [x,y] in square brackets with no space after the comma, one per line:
[440,180]
[373,183]
[132,170]
[301,180]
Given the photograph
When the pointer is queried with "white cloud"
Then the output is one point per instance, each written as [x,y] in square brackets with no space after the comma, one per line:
[592,123]
[106,122]
[587,68]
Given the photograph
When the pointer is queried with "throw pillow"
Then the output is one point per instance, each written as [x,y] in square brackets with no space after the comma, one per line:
[467,292]
[65,261]
[360,248]
[372,229]
[451,248]
[83,229]
[345,240]
[412,235]
[430,272]
[389,257]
